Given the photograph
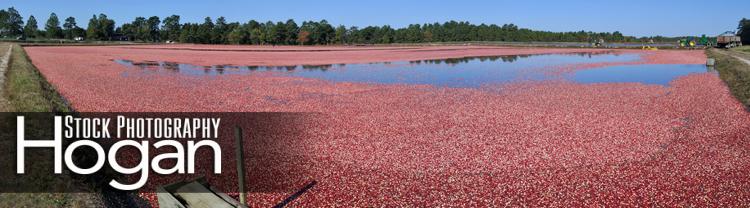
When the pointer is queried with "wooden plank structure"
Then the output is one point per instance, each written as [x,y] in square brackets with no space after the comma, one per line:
[199,194]
[196,193]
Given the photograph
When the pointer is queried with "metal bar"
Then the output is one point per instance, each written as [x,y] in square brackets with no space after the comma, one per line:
[240,165]
[295,195]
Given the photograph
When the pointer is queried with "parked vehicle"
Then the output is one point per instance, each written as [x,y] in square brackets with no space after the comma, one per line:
[728,40]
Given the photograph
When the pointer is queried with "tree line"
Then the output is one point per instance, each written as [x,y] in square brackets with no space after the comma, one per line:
[289,32]
[219,31]
[743,30]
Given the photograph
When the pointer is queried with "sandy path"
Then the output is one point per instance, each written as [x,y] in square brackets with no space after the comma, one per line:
[4,61]
[747,61]
[737,55]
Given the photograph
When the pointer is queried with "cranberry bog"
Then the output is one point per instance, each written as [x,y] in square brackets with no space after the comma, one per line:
[579,127]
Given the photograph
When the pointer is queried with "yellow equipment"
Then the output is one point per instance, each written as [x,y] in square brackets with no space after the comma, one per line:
[650,48]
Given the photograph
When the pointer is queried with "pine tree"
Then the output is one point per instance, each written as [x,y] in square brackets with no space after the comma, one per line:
[31,29]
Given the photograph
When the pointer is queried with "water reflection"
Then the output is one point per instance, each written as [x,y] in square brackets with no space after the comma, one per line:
[166,66]
[220,69]
[455,61]
[507,58]
[451,72]
[660,74]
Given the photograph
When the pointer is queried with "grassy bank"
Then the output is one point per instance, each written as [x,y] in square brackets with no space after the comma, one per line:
[744,49]
[26,89]
[735,73]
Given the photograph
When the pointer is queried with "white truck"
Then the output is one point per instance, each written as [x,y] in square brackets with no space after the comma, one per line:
[728,40]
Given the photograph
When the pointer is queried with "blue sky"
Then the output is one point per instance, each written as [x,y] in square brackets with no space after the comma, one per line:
[631,17]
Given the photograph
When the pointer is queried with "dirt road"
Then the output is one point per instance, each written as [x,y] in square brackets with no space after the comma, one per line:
[738,55]
[5,51]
